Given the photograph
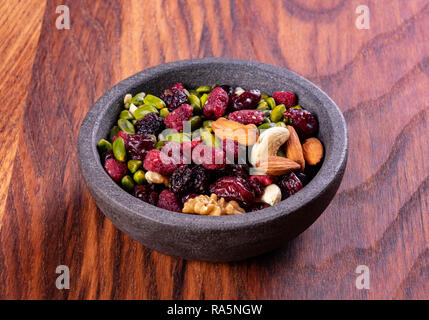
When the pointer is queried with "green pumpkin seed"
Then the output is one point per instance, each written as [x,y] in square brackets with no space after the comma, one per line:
[149,108]
[154,101]
[140,113]
[138,99]
[127,98]
[139,177]
[195,122]
[203,99]
[126,126]
[263,105]
[209,138]
[267,119]
[195,134]
[163,112]
[296,107]
[281,124]
[271,102]
[203,89]
[194,92]
[104,145]
[119,149]
[281,153]
[264,96]
[277,113]
[134,165]
[195,103]
[207,123]
[214,86]
[125,114]
[127,183]
[160,144]
[114,132]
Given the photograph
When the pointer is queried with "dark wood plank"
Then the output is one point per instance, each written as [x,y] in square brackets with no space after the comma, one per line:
[379,218]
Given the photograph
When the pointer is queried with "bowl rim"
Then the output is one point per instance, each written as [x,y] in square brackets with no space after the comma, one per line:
[101,185]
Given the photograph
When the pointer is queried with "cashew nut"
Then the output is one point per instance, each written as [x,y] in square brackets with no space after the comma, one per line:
[268,144]
[272,195]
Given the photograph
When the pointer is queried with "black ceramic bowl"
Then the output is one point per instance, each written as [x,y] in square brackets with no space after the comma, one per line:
[223,238]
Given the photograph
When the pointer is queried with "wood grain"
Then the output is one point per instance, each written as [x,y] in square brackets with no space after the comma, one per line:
[378,77]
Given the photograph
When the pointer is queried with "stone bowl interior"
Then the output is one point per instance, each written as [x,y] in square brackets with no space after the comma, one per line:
[223,238]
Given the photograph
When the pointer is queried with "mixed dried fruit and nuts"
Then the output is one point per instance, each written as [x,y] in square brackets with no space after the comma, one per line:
[214,150]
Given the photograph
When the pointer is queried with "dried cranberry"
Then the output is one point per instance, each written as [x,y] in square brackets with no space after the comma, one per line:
[174,98]
[209,157]
[176,152]
[179,86]
[150,124]
[234,188]
[285,97]
[175,119]
[159,162]
[123,135]
[289,185]
[265,180]
[216,104]
[303,122]
[228,89]
[247,100]
[138,145]
[232,150]
[258,187]
[116,170]
[168,200]
[247,116]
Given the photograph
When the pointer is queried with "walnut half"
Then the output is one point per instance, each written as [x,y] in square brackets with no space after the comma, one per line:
[211,206]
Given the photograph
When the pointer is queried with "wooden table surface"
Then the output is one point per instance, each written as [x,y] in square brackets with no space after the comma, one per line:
[379,77]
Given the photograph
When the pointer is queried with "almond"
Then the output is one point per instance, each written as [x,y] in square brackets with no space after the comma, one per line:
[277,166]
[227,129]
[294,148]
[313,151]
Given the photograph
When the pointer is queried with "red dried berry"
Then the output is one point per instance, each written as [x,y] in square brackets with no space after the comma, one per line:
[123,135]
[247,116]
[303,122]
[265,180]
[285,97]
[216,104]
[175,119]
[209,157]
[175,151]
[174,98]
[258,187]
[138,145]
[167,200]
[179,86]
[159,162]
[247,100]
[106,156]
[116,169]
[234,188]
[289,185]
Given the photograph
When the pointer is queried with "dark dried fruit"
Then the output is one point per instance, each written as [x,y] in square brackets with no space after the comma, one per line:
[174,98]
[116,169]
[188,197]
[150,124]
[216,104]
[304,178]
[247,100]
[106,156]
[179,86]
[233,150]
[234,170]
[247,116]
[303,122]
[289,185]
[258,187]
[234,188]
[228,89]
[187,179]
[159,162]
[167,200]
[175,119]
[138,145]
[146,193]
[285,97]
